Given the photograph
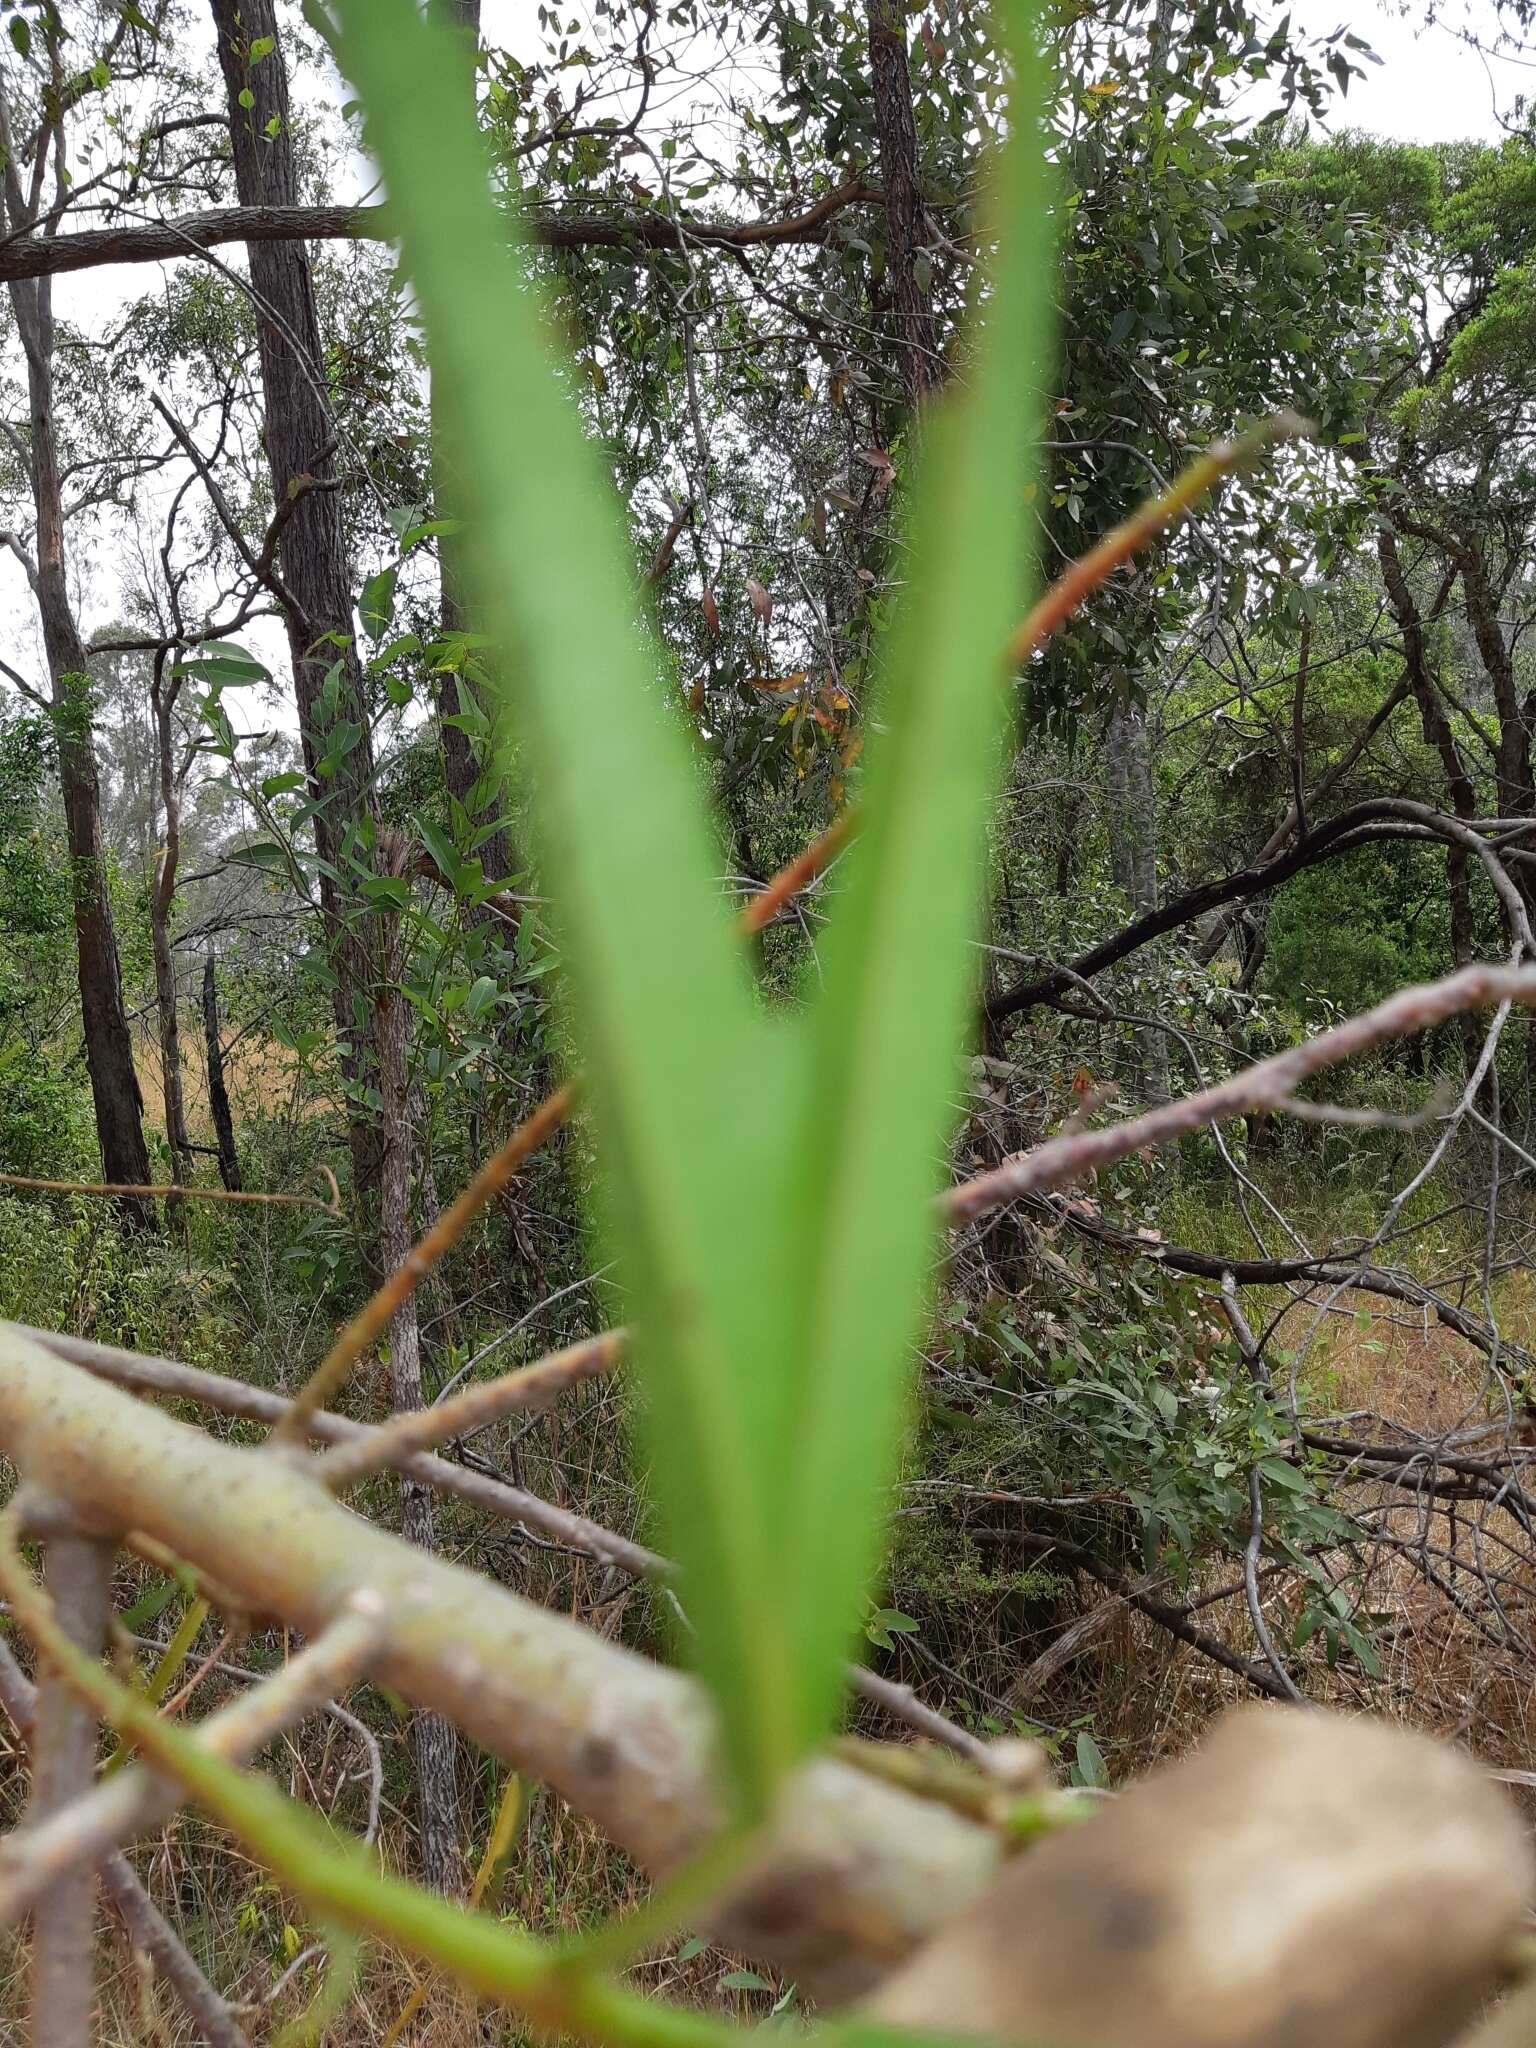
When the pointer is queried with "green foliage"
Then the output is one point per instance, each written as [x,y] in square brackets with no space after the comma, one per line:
[1398,935]
[64,1265]
[778,1273]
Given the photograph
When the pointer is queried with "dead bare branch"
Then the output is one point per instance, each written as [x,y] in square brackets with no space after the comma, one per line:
[1266,1086]
[858,1873]
[533,1386]
[77,1837]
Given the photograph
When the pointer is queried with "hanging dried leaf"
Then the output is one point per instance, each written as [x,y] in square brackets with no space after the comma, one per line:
[762,602]
[711,610]
[662,561]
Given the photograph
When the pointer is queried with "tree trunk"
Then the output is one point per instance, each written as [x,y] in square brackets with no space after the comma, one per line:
[911,300]
[1438,733]
[79,1573]
[1516,793]
[161,897]
[218,1093]
[115,1093]
[119,1106]
[1132,807]
[433,1744]
[1131,813]
[1117,803]
[300,441]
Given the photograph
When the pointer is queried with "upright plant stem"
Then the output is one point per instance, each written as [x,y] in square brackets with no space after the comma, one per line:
[63,1753]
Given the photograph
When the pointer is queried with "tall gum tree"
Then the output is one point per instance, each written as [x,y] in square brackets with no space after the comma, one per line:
[300,440]
[29,194]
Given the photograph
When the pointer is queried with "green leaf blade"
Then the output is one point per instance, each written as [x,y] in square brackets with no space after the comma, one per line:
[900,966]
[686,1076]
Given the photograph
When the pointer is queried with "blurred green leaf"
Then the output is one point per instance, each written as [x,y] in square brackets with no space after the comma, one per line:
[1090,1768]
[687,1075]
[779,1274]
[899,962]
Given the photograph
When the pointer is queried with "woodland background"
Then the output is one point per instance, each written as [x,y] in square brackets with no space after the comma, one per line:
[269,923]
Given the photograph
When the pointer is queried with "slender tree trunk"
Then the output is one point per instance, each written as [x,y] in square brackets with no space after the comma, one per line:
[118,1104]
[300,438]
[161,897]
[433,1744]
[1438,733]
[1131,816]
[906,229]
[63,1758]
[1117,800]
[1516,790]
[218,1092]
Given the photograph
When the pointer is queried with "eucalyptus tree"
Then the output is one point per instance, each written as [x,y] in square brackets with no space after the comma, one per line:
[56,75]
[1437,484]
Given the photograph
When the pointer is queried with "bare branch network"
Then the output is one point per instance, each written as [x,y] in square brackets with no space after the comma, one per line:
[861,1871]
[31,256]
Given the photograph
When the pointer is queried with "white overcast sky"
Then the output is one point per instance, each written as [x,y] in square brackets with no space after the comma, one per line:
[1429,87]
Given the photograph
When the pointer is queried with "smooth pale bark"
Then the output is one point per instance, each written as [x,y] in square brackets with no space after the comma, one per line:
[79,1574]
[1303,1878]
[858,1872]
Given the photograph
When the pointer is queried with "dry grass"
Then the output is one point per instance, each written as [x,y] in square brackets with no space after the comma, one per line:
[260,1075]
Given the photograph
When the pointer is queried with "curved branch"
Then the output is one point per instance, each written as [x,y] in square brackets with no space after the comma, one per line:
[1381,818]
[1326,1270]
[161,241]
[857,1874]
[1174,1619]
[1269,1085]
